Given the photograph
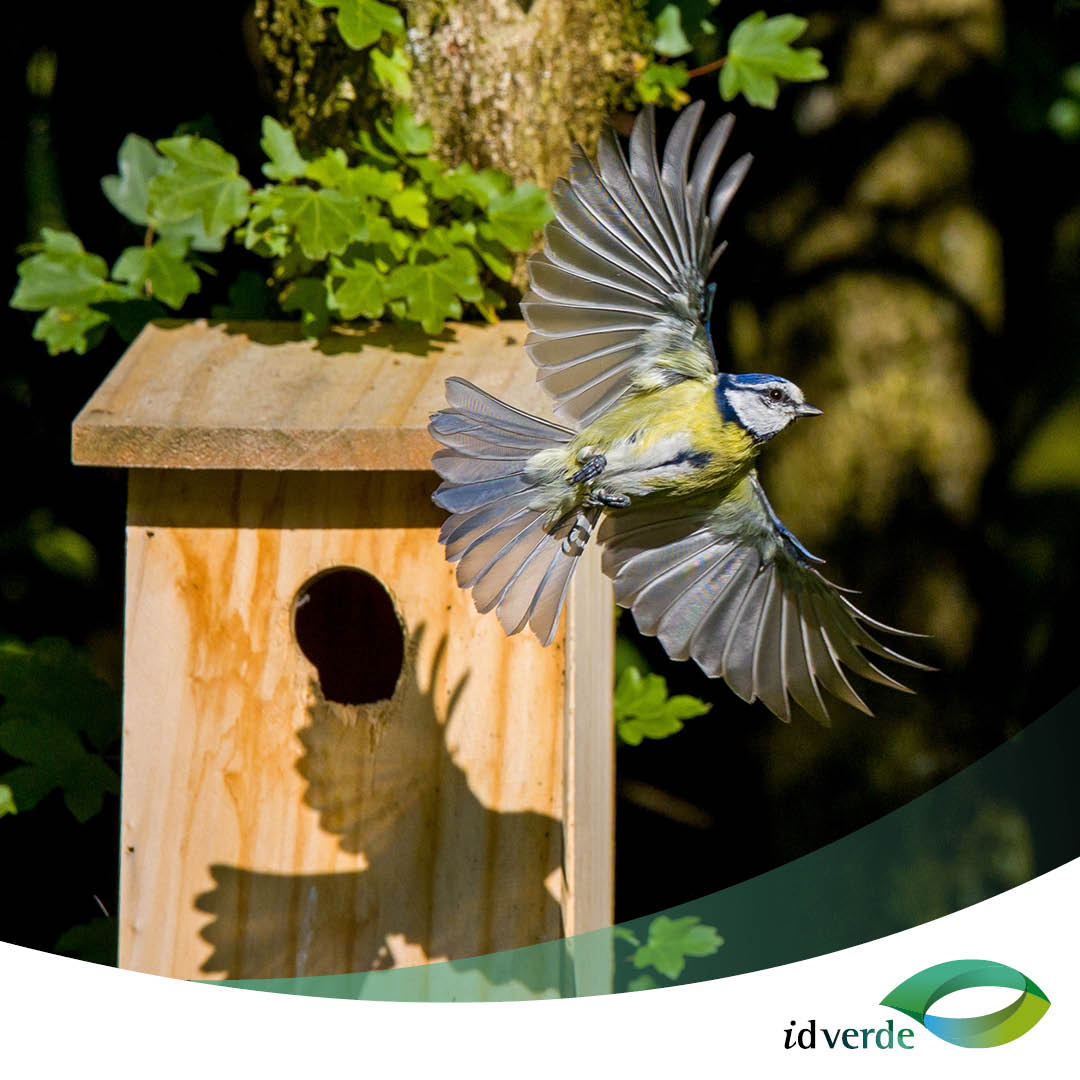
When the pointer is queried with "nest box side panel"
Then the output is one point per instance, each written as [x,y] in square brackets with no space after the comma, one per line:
[269,830]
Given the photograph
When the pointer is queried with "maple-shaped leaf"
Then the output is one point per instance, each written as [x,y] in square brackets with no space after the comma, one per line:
[56,718]
[431,289]
[356,289]
[286,162]
[160,271]
[480,187]
[405,135]
[671,941]
[205,181]
[410,204]
[515,217]
[643,709]
[760,52]
[324,221]
[391,71]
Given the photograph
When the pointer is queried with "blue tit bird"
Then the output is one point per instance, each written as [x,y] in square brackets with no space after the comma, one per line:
[662,445]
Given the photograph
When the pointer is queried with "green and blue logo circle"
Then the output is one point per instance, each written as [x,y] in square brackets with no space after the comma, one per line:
[917,994]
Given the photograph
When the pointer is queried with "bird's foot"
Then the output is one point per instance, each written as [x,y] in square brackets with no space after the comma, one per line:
[594,465]
[600,497]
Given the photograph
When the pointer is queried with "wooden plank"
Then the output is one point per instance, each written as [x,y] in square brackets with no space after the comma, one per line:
[259,396]
[268,832]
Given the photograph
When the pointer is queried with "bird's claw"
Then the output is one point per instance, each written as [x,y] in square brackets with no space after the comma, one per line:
[592,468]
[605,498]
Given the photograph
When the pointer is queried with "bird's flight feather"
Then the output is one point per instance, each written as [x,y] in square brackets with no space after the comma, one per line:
[618,307]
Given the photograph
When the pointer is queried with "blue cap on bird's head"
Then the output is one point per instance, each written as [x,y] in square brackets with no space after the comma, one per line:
[763,405]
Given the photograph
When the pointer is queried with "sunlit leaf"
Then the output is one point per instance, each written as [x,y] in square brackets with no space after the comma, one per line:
[161,271]
[432,290]
[515,217]
[392,71]
[670,40]
[760,52]
[362,22]
[286,161]
[643,709]
[356,289]
[7,801]
[671,941]
[405,135]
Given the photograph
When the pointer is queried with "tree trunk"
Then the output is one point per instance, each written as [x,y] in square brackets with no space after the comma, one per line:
[502,82]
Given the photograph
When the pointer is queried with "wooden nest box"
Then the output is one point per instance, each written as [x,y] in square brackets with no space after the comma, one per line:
[332,763]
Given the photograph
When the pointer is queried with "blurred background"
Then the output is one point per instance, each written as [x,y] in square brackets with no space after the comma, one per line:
[907,248]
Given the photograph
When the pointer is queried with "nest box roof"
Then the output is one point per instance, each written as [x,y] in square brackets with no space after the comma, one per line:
[257,395]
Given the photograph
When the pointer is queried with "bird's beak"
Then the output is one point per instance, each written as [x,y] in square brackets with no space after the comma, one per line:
[807,410]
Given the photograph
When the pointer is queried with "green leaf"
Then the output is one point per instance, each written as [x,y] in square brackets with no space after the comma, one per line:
[1070,79]
[759,52]
[324,221]
[205,182]
[392,72]
[65,552]
[7,801]
[410,205]
[670,39]
[286,161]
[642,982]
[479,187]
[356,289]
[362,22]
[369,148]
[70,329]
[514,218]
[94,942]
[405,135]
[61,275]
[671,941]
[129,192]
[662,84]
[249,298]
[56,718]
[643,709]
[431,289]
[308,296]
[160,271]
[366,180]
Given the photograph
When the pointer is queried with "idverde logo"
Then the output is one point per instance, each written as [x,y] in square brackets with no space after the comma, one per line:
[914,997]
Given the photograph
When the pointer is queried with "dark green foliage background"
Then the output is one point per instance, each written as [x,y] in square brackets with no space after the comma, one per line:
[703,808]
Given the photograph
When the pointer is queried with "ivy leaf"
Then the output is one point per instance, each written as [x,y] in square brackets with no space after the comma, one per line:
[308,296]
[56,718]
[479,187]
[670,40]
[392,72]
[7,801]
[356,289]
[644,710]
[663,84]
[366,180]
[514,218]
[405,135]
[286,161]
[369,148]
[94,942]
[325,221]
[62,274]
[205,182]
[363,22]
[249,298]
[431,289]
[410,205]
[495,257]
[671,941]
[759,52]
[75,330]
[642,982]
[129,192]
[330,169]
[128,317]
[160,271]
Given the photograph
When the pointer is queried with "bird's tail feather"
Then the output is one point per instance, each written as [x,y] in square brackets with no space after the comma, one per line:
[511,556]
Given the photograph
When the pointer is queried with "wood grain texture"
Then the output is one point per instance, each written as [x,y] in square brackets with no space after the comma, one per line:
[268,832]
[259,396]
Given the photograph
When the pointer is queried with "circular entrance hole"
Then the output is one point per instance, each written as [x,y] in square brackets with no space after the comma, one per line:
[346,625]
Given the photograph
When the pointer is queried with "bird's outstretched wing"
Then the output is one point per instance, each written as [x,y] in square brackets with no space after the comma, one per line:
[722,581]
[617,299]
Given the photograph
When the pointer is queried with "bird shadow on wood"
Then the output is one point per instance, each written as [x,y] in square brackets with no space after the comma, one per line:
[444,872]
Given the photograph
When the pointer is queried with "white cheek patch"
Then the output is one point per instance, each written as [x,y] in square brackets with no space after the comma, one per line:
[755,415]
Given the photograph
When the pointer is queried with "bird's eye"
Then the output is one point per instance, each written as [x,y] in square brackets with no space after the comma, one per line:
[776,394]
